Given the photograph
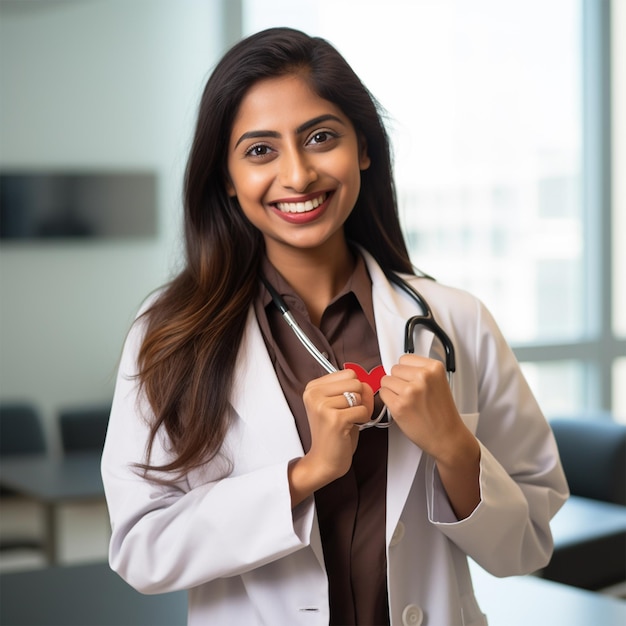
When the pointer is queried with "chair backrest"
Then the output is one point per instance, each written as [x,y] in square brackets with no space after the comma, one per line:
[593,454]
[21,430]
[84,429]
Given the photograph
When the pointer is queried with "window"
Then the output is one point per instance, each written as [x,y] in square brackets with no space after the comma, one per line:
[497,113]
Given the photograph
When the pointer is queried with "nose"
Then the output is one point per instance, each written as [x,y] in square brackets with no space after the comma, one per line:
[296,170]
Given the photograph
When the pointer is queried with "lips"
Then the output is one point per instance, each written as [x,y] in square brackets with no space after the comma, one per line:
[302,206]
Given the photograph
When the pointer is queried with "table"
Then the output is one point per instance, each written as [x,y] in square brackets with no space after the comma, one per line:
[93,595]
[53,481]
[532,601]
[84,595]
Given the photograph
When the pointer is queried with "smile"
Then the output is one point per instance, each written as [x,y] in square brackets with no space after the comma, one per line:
[301,207]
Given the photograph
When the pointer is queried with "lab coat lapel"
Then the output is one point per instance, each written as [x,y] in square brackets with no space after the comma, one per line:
[258,400]
[391,310]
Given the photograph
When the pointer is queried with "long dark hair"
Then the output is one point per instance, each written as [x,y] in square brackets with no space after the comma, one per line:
[187,358]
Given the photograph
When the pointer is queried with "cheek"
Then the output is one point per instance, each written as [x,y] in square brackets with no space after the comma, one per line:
[249,185]
[352,179]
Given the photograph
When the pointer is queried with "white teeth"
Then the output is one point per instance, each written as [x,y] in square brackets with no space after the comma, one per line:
[301,207]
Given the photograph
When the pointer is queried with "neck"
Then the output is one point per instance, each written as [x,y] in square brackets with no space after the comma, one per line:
[316,276]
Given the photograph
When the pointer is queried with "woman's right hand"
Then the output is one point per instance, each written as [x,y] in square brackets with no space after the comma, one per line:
[334,431]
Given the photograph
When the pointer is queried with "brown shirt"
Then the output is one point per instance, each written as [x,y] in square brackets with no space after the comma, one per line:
[351,510]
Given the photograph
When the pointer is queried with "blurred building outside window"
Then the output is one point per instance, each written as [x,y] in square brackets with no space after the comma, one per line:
[487,109]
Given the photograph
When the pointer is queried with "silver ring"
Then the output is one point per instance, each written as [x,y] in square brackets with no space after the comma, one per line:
[350,397]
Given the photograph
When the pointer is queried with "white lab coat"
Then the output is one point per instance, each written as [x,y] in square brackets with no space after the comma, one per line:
[228,534]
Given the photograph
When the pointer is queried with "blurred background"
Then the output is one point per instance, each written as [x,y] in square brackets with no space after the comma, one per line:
[508,122]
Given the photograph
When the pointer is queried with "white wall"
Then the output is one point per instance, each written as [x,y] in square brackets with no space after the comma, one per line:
[92,84]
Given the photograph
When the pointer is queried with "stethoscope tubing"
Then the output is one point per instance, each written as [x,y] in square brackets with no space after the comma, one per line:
[426,320]
[307,343]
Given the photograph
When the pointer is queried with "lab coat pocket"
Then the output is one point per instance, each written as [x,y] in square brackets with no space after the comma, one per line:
[471,421]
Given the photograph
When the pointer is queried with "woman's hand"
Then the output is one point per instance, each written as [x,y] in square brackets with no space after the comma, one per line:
[334,431]
[417,394]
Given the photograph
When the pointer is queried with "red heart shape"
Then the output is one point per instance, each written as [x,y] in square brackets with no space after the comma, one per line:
[371,378]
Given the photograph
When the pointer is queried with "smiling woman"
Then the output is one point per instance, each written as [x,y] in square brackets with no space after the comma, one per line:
[234,458]
[298,181]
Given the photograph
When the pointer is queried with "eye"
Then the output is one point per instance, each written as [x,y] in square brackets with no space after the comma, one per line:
[321,136]
[259,151]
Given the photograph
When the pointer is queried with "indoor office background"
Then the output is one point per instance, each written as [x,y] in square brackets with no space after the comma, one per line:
[508,123]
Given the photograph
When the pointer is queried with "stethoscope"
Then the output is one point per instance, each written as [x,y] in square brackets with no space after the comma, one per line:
[426,319]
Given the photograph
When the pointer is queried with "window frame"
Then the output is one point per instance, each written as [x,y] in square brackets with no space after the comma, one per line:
[598,352]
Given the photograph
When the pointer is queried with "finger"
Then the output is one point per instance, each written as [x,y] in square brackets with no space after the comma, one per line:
[404,373]
[342,412]
[355,408]
[413,359]
[367,397]
[357,415]
[335,377]
[396,384]
[348,400]
[338,397]
[336,388]
[422,363]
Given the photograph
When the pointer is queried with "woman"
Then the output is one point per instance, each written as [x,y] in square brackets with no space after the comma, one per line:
[258,477]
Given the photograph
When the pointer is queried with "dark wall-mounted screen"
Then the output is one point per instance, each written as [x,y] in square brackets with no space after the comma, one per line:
[61,205]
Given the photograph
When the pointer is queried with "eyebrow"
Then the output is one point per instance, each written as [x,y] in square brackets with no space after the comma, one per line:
[256,134]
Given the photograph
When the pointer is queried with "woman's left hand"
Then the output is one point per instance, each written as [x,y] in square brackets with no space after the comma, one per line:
[418,396]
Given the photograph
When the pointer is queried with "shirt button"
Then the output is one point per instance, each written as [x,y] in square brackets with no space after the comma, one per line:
[398,534]
[412,615]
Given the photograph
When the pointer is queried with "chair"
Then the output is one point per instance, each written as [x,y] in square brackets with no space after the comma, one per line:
[84,429]
[590,530]
[21,432]
[593,454]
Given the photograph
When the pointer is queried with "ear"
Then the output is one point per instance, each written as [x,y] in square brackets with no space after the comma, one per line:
[364,159]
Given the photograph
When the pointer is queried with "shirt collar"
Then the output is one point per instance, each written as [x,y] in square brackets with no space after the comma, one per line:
[359,283]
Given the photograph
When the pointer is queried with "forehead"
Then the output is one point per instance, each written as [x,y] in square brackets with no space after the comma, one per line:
[281,103]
